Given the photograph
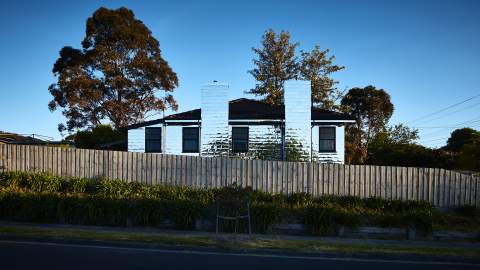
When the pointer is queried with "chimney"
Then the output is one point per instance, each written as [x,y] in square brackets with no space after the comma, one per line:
[214,139]
[298,117]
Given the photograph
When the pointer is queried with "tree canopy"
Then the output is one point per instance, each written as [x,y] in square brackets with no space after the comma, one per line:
[100,137]
[114,76]
[372,108]
[277,62]
[316,66]
[461,137]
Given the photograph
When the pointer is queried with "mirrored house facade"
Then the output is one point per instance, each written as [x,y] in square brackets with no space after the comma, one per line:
[247,128]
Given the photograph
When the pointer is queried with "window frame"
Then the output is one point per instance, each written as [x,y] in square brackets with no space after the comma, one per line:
[247,140]
[149,140]
[197,139]
[334,140]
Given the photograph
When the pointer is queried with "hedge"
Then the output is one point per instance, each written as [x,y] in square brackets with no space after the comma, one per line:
[39,197]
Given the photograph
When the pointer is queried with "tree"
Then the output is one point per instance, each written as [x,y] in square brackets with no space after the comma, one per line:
[461,137]
[114,76]
[372,109]
[398,134]
[316,66]
[403,134]
[100,137]
[469,157]
[410,154]
[276,63]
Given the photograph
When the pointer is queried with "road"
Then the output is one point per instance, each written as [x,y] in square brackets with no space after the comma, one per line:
[48,255]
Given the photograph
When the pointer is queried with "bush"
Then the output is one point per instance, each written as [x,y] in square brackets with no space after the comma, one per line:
[327,218]
[37,182]
[39,197]
[81,185]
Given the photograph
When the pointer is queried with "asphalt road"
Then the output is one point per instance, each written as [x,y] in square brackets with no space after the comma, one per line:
[42,255]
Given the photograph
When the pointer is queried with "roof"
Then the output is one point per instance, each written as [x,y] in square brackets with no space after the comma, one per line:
[249,109]
[13,138]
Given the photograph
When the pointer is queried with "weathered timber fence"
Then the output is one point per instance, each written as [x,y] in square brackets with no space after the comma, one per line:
[443,188]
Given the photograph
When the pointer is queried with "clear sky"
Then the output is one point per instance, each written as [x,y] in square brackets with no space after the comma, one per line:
[425,54]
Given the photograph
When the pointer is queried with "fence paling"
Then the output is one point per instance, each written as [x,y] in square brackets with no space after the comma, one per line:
[443,188]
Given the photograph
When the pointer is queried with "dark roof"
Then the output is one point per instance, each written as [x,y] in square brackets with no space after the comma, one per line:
[13,138]
[249,109]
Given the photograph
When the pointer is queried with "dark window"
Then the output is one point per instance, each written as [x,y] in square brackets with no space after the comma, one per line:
[240,139]
[153,140]
[190,140]
[327,139]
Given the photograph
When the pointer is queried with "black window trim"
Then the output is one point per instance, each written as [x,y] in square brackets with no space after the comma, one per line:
[334,140]
[248,139]
[161,144]
[183,140]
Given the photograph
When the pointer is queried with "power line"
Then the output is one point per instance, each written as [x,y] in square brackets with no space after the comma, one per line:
[444,109]
[458,125]
[433,141]
[454,112]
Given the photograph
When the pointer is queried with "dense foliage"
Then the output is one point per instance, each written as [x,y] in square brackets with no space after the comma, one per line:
[115,76]
[397,147]
[37,197]
[371,108]
[102,137]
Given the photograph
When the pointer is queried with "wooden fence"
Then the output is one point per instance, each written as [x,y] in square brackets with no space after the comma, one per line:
[443,188]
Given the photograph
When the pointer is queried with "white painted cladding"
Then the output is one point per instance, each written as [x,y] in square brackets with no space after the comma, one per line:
[214,134]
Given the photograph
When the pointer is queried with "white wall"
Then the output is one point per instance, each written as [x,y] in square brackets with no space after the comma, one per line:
[336,157]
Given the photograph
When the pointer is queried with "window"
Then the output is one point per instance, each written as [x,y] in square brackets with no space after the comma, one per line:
[240,139]
[327,139]
[153,140]
[190,140]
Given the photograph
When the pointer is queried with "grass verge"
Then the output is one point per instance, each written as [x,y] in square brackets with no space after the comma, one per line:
[234,243]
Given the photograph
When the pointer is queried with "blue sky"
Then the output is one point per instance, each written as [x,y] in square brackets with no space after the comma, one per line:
[425,54]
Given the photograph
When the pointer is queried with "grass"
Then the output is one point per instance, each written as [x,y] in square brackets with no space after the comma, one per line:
[233,242]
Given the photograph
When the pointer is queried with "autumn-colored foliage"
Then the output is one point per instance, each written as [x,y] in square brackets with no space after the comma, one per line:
[114,76]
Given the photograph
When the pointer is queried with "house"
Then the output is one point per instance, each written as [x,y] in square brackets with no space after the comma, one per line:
[14,138]
[29,139]
[247,128]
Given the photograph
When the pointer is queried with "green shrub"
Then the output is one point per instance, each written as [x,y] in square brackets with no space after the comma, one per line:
[326,218]
[80,185]
[264,215]
[13,180]
[115,188]
[40,197]
[37,182]
[299,200]
[42,182]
